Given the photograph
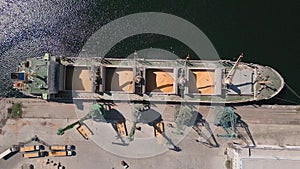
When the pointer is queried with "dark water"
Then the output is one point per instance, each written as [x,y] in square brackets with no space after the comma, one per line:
[266,32]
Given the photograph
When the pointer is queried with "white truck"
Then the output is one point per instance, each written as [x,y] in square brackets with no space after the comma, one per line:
[8,152]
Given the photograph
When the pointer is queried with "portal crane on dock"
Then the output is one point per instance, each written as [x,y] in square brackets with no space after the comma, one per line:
[96,112]
[229,121]
[136,110]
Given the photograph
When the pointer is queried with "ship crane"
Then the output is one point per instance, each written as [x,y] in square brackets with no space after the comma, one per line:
[138,78]
[228,78]
[182,76]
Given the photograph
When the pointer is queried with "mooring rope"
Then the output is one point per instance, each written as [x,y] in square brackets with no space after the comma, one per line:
[292,90]
[278,98]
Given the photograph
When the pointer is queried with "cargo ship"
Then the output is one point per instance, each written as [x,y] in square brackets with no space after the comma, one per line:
[141,80]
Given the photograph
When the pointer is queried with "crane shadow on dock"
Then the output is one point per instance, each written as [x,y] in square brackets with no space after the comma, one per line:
[202,128]
[170,143]
[243,124]
[118,122]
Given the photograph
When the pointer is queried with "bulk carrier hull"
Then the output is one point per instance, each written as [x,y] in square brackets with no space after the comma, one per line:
[139,80]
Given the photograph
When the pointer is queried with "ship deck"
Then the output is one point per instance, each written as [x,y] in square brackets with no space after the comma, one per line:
[161,80]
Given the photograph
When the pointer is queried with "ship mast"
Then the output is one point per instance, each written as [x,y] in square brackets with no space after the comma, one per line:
[182,76]
[138,75]
[228,78]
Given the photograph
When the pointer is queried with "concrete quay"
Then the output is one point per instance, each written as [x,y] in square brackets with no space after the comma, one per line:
[276,132]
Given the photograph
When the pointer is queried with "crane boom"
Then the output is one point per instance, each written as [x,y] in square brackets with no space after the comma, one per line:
[96,111]
[228,79]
